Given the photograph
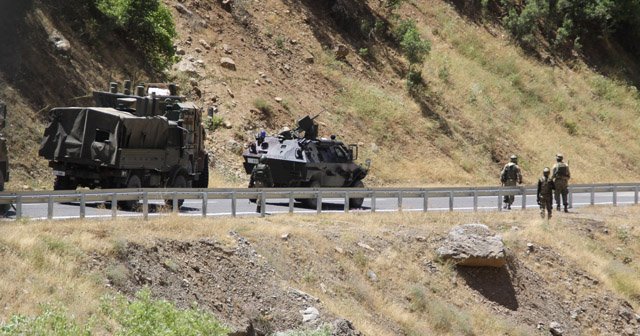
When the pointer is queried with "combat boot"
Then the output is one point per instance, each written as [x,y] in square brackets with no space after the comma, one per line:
[558,208]
[549,217]
[508,206]
[542,214]
[565,209]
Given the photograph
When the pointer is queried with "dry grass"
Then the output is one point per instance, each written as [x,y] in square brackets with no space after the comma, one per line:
[47,262]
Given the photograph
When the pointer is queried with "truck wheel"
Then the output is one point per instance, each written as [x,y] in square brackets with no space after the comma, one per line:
[178,182]
[133,183]
[3,207]
[312,202]
[63,183]
[355,203]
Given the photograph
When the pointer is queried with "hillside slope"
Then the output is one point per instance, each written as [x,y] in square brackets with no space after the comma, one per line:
[484,98]
[380,271]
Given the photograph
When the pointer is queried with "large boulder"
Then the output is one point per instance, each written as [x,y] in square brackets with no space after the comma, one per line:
[473,245]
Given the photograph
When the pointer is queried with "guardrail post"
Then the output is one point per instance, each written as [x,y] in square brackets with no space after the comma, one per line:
[83,206]
[450,200]
[291,200]
[615,195]
[425,201]
[50,208]
[346,202]
[318,202]
[570,198]
[593,195]
[205,203]
[234,203]
[145,205]
[524,198]
[174,202]
[400,201]
[19,207]
[500,199]
[114,205]
[475,200]
[635,195]
[263,204]
[373,201]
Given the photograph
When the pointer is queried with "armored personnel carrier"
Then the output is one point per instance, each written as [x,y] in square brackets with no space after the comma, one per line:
[4,156]
[150,138]
[298,158]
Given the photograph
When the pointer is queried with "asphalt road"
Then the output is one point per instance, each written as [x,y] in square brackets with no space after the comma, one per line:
[278,206]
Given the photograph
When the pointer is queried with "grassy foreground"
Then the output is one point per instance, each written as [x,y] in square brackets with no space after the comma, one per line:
[44,266]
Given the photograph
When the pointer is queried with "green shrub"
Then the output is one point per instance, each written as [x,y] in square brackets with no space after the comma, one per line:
[571,126]
[53,321]
[280,42]
[263,106]
[412,45]
[148,24]
[213,123]
[363,52]
[145,316]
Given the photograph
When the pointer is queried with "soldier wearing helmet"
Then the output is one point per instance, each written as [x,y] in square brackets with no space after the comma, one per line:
[510,176]
[545,193]
[261,178]
[561,176]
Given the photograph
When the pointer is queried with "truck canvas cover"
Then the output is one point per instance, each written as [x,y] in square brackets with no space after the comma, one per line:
[78,134]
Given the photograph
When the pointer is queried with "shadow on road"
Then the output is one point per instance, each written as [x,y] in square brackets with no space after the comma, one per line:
[325,206]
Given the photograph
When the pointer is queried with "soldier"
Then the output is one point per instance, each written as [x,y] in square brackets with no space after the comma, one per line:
[261,178]
[545,193]
[510,176]
[561,176]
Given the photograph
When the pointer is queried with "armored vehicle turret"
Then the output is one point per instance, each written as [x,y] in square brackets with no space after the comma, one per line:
[298,158]
[150,138]
[4,156]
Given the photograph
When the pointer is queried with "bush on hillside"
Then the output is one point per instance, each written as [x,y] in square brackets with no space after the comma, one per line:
[565,22]
[413,46]
[146,23]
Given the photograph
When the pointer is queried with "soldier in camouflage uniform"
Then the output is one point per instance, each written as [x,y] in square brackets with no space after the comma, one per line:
[510,176]
[261,178]
[561,176]
[545,193]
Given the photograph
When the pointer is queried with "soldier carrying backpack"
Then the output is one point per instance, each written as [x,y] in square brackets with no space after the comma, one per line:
[510,176]
[561,176]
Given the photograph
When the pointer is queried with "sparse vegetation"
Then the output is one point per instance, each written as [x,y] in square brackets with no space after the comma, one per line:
[146,23]
[142,316]
[431,301]
[146,316]
[263,106]
[213,123]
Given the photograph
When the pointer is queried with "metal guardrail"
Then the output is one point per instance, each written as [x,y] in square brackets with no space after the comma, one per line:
[82,197]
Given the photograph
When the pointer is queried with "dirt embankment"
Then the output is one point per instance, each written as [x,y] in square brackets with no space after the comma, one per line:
[380,278]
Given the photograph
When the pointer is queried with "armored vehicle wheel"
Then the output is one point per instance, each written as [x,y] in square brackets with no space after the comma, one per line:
[178,182]
[312,202]
[3,207]
[252,185]
[356,202]
[203,182]
[133,183]
[63,183]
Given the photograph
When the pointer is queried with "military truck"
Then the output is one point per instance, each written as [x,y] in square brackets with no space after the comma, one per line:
[150,138]
[4,156]
[298,158]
